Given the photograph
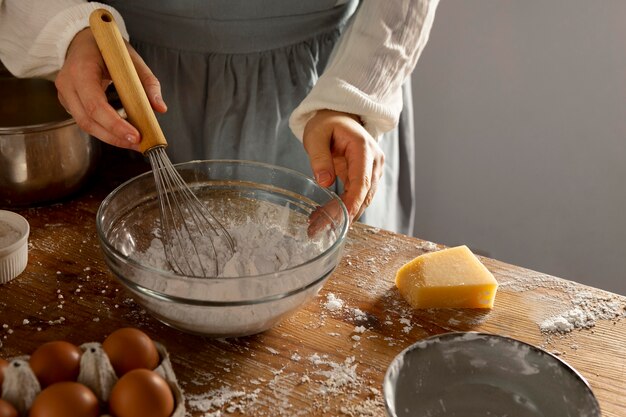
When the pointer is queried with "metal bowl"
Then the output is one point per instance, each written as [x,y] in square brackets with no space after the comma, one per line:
[235,191]
[44,155]
[468,374]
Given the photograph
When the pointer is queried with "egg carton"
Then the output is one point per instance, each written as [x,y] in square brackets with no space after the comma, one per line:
[20,385]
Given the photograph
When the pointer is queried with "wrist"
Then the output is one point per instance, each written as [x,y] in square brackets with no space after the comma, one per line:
[79,39]
[332,113]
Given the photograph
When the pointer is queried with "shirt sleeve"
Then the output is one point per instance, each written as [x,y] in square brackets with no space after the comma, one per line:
[35,34]
[377,52]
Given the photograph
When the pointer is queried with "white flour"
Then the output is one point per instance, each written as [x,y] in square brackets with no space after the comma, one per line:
[328,381]
[262,245]
[333,303]
[226,398]
[587,309]
[8,235]
[336,375]
[583,309]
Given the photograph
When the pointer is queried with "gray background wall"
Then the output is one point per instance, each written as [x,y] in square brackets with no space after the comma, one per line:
[520,115]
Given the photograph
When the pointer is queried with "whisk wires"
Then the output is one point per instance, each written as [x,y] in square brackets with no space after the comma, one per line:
[186,221]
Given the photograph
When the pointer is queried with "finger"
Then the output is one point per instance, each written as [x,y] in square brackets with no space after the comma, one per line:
[74,106]
[318,221]
[359,180]
[149,81]
[105,83]
[88,82]
[366,203]
[97,108]
[325,217]
[63,103]
[317,145]
[377,172]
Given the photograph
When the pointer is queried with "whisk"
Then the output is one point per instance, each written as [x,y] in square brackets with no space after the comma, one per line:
[188,227]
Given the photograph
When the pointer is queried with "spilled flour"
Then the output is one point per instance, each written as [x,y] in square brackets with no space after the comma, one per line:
[583,309]
[587,309]
[335,375]
[230,400]
[328,383]
[333,303]
[267,243]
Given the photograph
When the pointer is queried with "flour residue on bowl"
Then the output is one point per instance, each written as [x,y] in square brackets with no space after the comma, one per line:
[8,234]
[444,374]
[264,244]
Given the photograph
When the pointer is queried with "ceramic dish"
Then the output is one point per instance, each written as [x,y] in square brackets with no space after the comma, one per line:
[479,375]
[14,230]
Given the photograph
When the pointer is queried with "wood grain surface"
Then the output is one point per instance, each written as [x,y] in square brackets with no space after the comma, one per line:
[316,362]
[127,81]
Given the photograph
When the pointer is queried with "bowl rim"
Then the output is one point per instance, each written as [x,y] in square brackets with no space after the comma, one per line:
[40,127]
[272,275]
[389,394]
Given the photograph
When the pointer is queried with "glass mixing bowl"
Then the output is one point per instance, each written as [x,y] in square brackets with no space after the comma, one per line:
[236,192]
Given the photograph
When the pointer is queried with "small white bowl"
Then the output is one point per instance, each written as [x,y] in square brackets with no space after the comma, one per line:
[14,230]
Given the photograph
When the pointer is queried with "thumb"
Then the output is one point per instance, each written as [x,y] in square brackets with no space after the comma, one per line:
[317,145]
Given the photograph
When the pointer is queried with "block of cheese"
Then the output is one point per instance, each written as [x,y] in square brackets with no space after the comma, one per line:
[449,278]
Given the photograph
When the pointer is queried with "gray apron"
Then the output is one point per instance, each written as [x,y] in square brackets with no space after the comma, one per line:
[232,71]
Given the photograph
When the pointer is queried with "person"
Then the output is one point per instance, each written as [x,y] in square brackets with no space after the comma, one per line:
[318,86]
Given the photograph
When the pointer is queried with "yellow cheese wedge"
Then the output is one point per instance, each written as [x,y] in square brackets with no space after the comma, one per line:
[449,278]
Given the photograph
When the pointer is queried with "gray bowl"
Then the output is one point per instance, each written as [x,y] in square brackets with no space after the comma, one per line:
[222,307]
[44,155]
[478,375]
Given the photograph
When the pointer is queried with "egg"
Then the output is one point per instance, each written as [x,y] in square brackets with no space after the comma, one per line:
[140,393]
[55,362]
[3,366]
[129,348]
[65,399]
[7,409]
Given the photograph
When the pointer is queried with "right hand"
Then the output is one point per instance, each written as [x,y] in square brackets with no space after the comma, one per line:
[81,83]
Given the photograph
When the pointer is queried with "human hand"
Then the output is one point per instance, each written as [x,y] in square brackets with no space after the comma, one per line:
[81,83]
[339,146]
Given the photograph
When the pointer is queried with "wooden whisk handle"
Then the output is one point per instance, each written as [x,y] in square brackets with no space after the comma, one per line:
[126,79]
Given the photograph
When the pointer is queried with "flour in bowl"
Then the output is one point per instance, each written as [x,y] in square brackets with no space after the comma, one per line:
[263,245]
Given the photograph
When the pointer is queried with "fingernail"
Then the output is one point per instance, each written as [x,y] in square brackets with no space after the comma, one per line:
[132,138]
[323,177]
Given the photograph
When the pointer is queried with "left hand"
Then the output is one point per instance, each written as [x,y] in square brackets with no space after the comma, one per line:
[339,146]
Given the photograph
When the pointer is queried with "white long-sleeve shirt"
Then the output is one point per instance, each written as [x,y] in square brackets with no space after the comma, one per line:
[373,58]
[35,34]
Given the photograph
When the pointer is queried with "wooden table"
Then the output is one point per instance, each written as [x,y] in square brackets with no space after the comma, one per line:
[318,361]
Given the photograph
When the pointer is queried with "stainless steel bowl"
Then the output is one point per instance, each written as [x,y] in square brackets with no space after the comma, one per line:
[44,155]
[235,191]
[468,374]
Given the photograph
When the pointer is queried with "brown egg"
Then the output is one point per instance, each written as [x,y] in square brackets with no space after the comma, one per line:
[7,409]
[3,366]
[55,362]
[129,349]
[65,399]
[140,393]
